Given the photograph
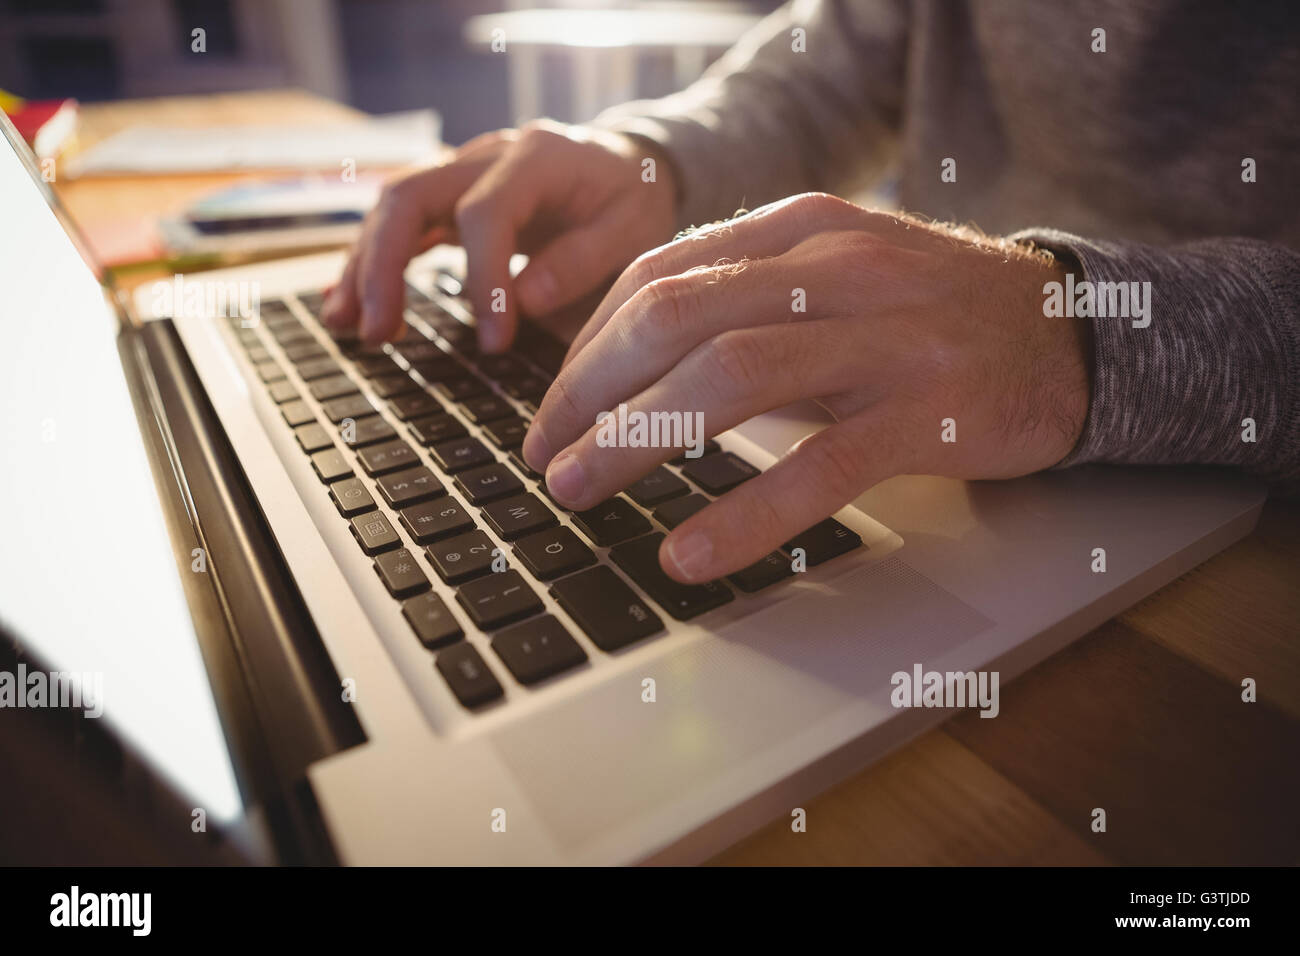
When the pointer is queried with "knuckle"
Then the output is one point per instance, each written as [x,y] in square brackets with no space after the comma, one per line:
[538,134]
[658,311]
[737,363]
[645,269]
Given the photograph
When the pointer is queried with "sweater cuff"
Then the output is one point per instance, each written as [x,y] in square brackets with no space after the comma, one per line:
[1217,350]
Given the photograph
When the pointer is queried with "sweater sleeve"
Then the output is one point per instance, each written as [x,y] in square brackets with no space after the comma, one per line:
[810,99]
[1214,378]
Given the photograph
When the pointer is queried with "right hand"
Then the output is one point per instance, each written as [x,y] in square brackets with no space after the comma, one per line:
[571,198]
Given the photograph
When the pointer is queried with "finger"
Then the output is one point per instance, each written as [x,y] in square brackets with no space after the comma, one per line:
[342,307]
[814,479]
[763,233]
[726,381]
[406,212]
[661,324]
[492,213]
[576,262]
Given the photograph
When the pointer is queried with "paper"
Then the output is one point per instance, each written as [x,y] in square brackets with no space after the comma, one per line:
[395,140]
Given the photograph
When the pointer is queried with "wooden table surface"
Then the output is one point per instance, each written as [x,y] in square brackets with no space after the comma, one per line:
[1143,716]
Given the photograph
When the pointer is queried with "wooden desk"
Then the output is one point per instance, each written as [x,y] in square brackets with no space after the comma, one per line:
[1143,717]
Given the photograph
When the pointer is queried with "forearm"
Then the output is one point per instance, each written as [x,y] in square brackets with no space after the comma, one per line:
[1214,378]
[809,100]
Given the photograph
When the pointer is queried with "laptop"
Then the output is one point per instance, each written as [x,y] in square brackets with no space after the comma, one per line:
[313,589]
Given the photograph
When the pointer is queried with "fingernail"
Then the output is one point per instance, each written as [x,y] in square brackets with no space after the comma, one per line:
[691,554]
[536,450]
[566,478]
[538,289]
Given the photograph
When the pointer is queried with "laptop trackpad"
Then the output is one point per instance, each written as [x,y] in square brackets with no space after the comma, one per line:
[731,709]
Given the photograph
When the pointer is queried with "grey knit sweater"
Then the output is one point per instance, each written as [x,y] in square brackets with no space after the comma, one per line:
[1164,150]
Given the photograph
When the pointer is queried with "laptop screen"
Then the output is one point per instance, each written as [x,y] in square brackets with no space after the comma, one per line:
[88,581]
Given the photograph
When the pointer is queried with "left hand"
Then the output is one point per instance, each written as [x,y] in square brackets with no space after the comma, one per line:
[905,325]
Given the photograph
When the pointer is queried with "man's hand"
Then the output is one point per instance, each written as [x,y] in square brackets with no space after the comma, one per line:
[575,200]
[905,326]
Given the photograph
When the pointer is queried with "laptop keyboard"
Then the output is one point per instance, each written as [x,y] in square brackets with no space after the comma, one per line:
[461,531]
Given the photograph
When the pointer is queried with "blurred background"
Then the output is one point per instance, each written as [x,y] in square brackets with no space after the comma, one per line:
[566,60]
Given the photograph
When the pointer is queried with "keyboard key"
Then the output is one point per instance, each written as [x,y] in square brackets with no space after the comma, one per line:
[517,460]
[538,649]
[436,519]
[401,573]
[312,301]
[608,611]
[436,428]
[552,553]
[418,350]
[518,516]
[297,413]
[415,405]
[530,386]
[657,487]
[763,573]
[502,367]
[357,433]
[719,473]
[710,448]
[331,387]
[506,432]
[269,371]
[351,497]
[498,599]
[318,368]
[438,369]
[486,408]
[372,365]
[349,406]
[304,351]
[390,456]
[313,437]
[823,541]
[283,391]
[390,386]
[463,557]
[640,559]
[330,465]
[375,533]
[489,483]
[672,513]
[292,335]
[431,620]
[467,675]
[257,355]
[461,338]
[461,388]
[461,453]
[611,521]
[406,487]
[248,338]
